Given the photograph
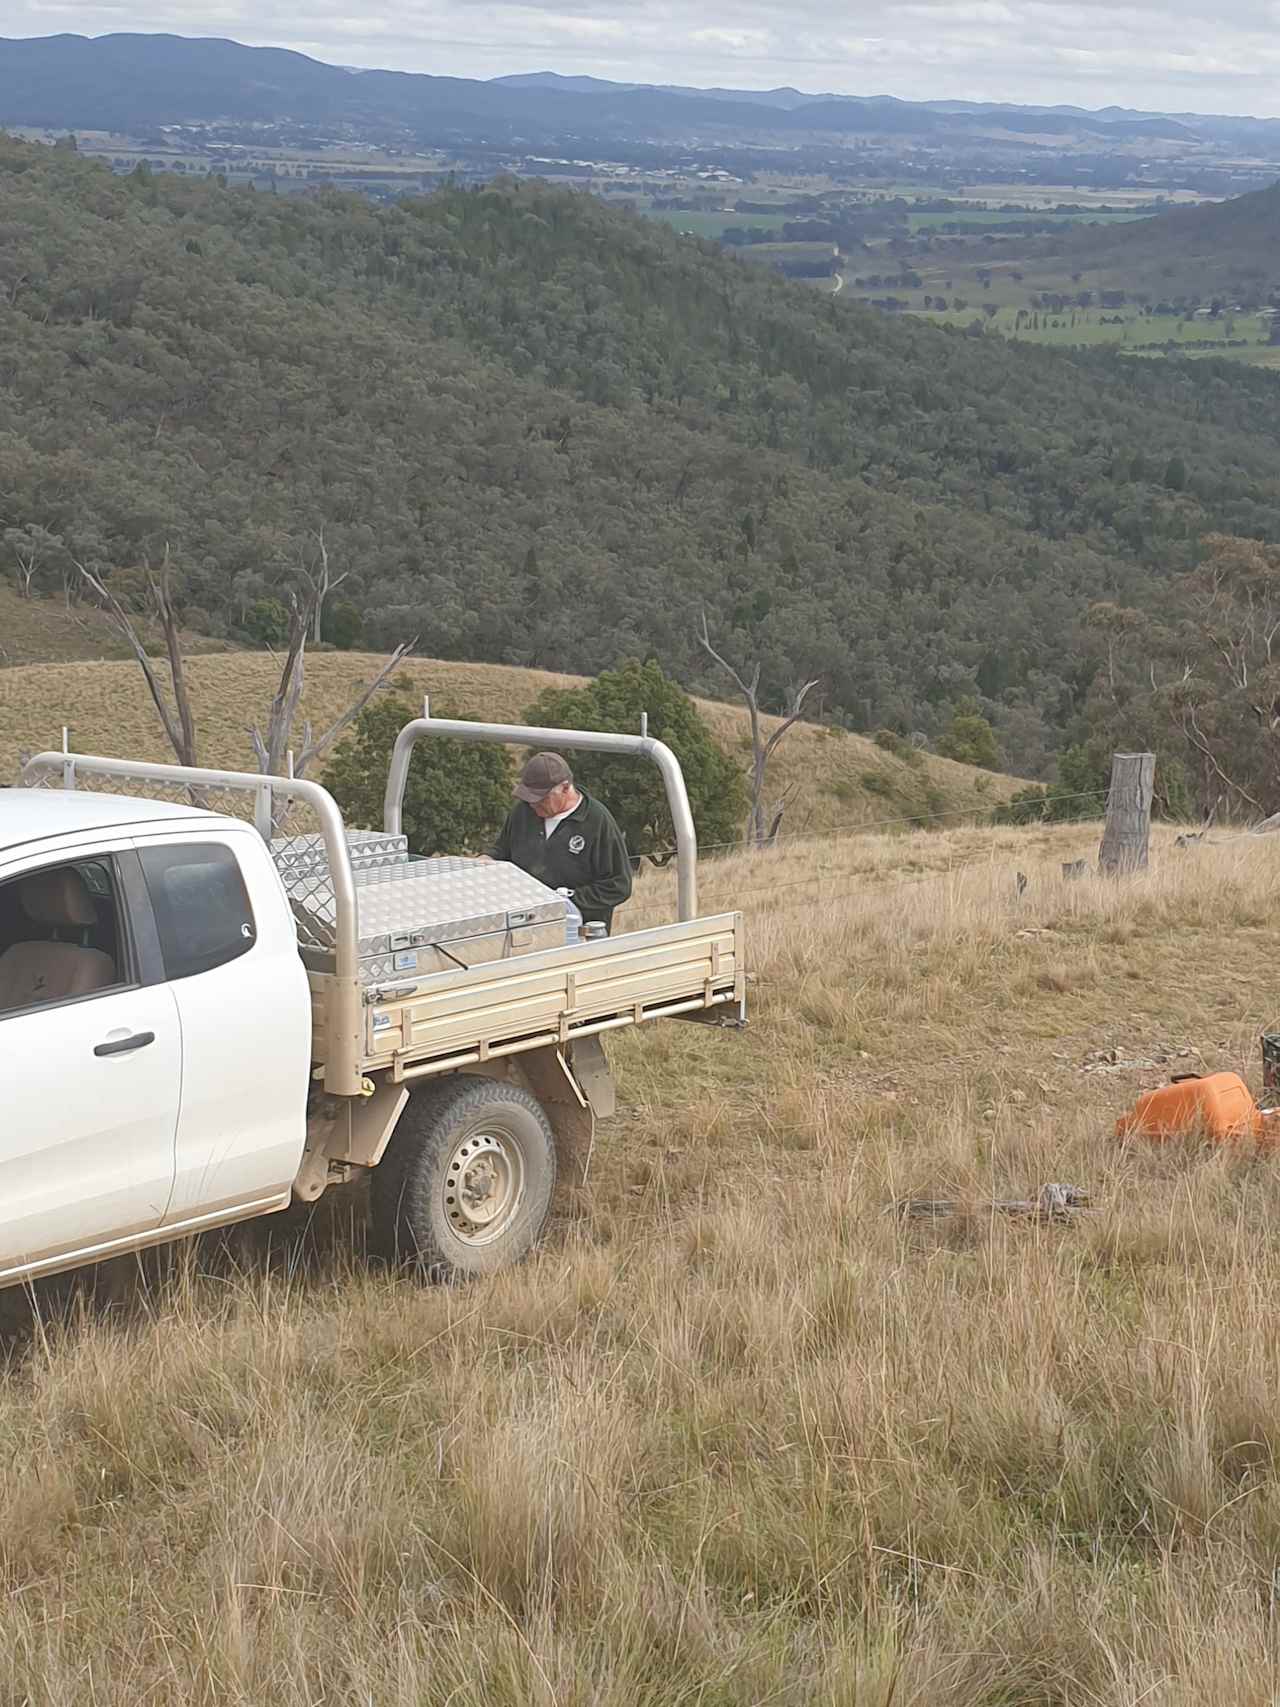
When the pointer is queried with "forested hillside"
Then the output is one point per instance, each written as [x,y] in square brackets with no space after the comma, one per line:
[1230,248]
[538,432]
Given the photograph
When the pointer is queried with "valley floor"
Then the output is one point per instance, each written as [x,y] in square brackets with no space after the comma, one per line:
[739,1434]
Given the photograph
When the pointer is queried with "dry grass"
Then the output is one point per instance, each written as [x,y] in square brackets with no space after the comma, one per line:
[43,631]
[833,780]
[737,1435]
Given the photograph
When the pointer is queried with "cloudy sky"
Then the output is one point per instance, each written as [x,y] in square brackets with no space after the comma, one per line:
[1166,54]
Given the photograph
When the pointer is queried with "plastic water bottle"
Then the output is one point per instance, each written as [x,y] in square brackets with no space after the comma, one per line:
[572,918]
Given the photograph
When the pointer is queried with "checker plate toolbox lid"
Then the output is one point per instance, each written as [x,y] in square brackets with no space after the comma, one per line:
[405,904]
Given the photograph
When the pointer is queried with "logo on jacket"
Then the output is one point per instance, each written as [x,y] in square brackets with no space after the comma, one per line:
[577,843]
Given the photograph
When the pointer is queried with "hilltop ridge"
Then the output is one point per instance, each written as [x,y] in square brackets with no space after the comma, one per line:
[124,79]
[832,781]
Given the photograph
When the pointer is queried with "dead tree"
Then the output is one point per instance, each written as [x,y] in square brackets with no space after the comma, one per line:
[31,546]
[173,705]
[322,582]
[272,746]
[760,831]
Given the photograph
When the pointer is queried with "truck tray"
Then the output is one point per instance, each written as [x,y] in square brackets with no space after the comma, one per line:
[433,915]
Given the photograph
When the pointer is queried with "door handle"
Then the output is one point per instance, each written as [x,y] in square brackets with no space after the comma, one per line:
[125,1045]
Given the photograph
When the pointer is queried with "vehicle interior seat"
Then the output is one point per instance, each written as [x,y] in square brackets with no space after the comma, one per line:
[55,970]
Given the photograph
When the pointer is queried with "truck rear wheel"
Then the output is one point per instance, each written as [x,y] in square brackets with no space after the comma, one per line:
[466,1184]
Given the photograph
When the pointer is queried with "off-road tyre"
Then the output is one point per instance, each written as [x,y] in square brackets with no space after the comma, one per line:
[465,1150]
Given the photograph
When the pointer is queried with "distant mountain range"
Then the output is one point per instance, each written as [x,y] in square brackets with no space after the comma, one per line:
[125,83]
[880,112]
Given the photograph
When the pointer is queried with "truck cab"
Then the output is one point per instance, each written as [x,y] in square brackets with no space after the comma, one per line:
[146,950]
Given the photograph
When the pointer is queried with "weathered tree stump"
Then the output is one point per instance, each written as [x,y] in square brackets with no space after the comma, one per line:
[1127,834]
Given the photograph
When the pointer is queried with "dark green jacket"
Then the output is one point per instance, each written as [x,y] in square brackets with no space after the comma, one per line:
[586,855]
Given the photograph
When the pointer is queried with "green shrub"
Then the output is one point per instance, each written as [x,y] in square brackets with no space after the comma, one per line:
[1079,792]
[456,797]
[343,626]
[969,738]
[267,622]
[890,742]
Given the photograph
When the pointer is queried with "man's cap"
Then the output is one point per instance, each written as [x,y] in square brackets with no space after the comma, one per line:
[543,772]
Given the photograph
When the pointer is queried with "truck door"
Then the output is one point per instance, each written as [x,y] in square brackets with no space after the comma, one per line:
[230,955]
[90,1062]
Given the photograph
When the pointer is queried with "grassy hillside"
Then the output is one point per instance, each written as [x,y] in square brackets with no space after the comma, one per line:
[833,779]
[43,631]
[538,431]
[739,1434]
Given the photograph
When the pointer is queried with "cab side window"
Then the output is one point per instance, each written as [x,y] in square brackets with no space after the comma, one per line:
[62,936]
[201,907]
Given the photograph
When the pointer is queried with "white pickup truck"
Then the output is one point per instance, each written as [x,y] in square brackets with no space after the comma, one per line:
[196,1027]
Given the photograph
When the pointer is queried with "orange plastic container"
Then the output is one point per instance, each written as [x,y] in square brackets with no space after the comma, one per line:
[1219,1106]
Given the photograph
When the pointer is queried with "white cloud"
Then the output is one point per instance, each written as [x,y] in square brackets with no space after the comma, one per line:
[1141,53]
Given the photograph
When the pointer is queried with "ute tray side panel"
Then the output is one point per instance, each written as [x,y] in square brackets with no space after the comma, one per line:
[504,1007]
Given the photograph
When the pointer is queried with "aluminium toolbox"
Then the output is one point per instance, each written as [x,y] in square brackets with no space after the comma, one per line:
[370,850]
[433,915]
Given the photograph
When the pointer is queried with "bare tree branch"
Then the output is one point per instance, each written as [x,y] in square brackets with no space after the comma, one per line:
[793,716]
[724,663]
[272,748]
[315,749]
[1197,737]
[759,832]
[178,719]
[322,584]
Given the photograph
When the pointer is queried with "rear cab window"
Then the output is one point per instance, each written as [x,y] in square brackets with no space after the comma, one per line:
[201,905]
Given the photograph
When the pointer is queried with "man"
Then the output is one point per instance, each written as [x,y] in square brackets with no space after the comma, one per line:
[566,840]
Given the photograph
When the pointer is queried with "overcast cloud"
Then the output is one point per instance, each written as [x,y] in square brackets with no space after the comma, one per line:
[1173,55]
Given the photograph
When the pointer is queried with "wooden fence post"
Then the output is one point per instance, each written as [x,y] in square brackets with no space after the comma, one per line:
[1128,828]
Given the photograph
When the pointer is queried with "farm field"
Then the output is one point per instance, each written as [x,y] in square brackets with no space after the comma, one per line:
[714,225]
[808,255]
[1005,216]
[739,1433]
[1048,197]
[1236,337]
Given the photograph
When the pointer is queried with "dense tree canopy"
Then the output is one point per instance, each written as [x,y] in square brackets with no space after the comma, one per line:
[537,431]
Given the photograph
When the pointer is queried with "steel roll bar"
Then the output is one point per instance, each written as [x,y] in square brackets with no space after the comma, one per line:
[583,740]
[346,1017]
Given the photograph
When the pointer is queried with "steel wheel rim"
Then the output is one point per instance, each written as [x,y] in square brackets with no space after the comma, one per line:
[483,1186]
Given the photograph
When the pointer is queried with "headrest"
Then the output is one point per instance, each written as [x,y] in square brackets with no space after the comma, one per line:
[57,898]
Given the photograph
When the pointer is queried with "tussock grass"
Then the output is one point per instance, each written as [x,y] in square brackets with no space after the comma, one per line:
[739,1434]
